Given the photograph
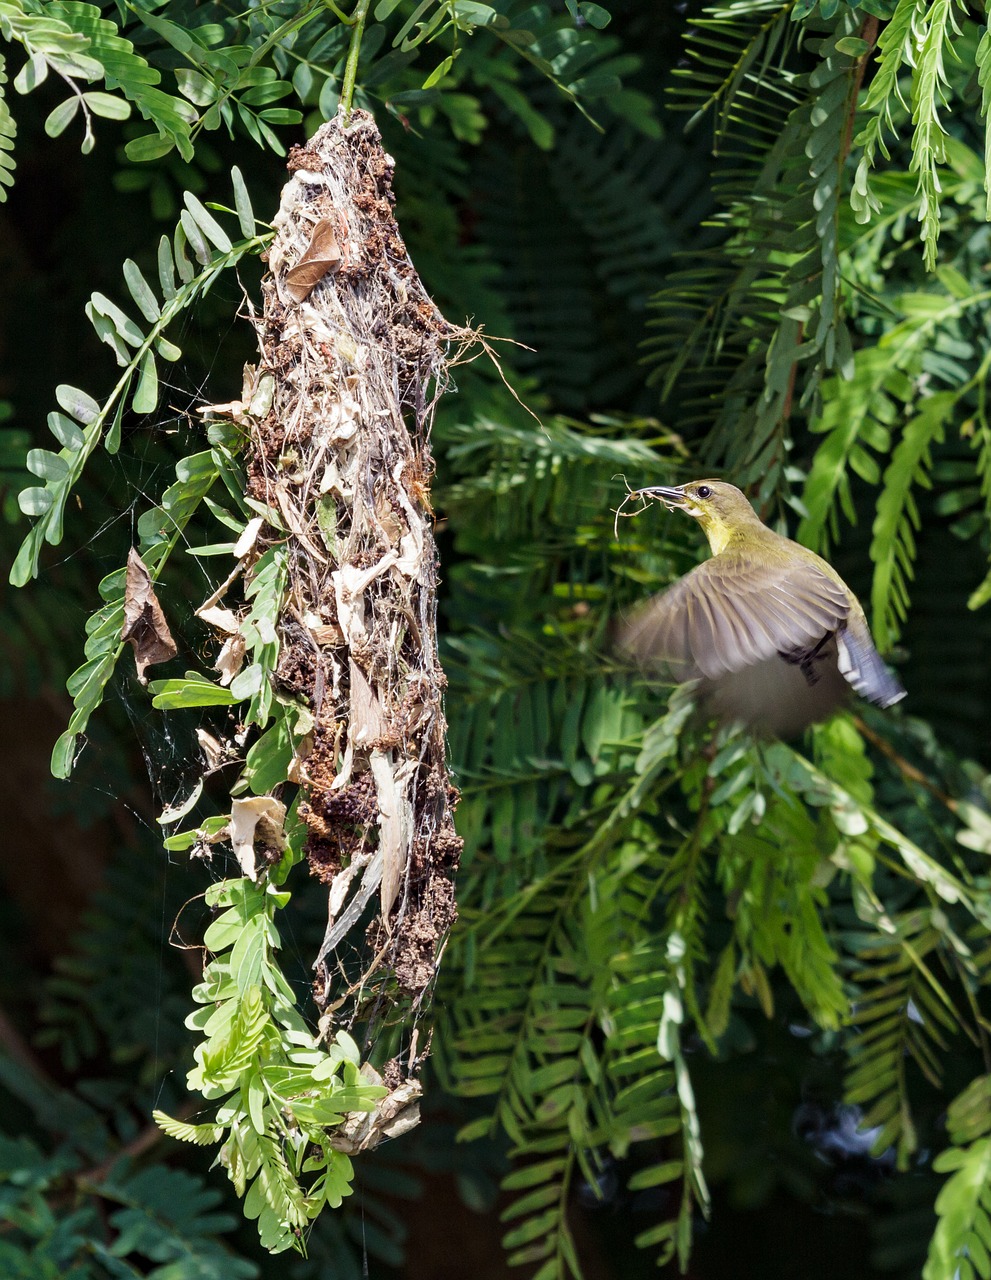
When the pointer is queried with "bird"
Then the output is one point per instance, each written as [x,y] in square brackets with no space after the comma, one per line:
[770,631]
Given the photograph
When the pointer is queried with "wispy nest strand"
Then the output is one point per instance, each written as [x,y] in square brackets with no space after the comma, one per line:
[359,355]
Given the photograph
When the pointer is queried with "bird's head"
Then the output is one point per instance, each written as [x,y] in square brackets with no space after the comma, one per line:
[720,508]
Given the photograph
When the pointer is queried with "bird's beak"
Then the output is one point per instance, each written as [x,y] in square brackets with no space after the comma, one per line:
[669,496]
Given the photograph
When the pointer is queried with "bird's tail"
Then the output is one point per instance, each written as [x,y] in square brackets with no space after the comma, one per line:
[863,667]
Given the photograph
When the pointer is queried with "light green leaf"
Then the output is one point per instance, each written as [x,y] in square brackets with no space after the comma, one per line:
[47,465]
[65,431]
[167,350]
[207,223]
[242,202]
[146,396]
[35,501]
[59,119]
[125,326]
[141,292]
[203,1135]
[107,105]
[64,754]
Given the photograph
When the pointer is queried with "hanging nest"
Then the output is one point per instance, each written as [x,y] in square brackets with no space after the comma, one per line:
[358,355]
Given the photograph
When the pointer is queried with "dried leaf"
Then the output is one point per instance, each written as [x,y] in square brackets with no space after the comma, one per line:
[261,820]
[323,254]
[225,620]
[212,748]
[232,409]
[368,721]
[395,1114]
[145,627]
[297,765]
[395,826]
[327,634]
[230,659]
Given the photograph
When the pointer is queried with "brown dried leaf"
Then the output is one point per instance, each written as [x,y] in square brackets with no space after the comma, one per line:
[232,409]
[327,634]
[368,720]
[323,254]
[261,820]
[212,748]
[395,1114]
[145,627]
[225,620]
[297,765]
[230,659]
[395,826]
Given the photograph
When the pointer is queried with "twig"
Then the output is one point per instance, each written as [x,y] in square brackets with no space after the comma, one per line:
[354,49]
[18,1050]
[139,1144]
[906,769]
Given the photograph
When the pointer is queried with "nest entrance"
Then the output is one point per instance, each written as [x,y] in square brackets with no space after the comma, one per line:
[358,355]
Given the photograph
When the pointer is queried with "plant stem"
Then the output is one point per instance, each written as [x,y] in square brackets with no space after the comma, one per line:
[351,67]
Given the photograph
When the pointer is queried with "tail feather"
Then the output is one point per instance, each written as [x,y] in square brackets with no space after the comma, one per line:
[863,667]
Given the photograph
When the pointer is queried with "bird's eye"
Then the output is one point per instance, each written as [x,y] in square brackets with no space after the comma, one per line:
[703,491]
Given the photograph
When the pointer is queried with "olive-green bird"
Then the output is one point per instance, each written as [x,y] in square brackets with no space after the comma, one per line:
[771,631]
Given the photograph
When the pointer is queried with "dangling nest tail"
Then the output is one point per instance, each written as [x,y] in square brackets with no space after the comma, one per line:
[359,355]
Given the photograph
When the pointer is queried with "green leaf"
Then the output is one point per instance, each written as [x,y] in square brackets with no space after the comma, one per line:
[141,291]
[125,326]
[268,759]
[65,431]
[64,754]
[191,691]
[197,241]
[203,1135]
[146,396]
[34,501]
[206,222]
[166,269]
[107,105]
[281,115]
[242,202]
[60,118]
[171,32]
[151,146]
[47,465]
[167,350]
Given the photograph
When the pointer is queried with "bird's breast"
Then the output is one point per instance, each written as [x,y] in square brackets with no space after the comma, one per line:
[778,697]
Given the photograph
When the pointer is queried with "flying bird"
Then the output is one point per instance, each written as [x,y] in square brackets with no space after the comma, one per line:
[772,633]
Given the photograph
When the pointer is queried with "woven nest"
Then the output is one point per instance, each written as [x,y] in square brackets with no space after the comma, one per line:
[359,355]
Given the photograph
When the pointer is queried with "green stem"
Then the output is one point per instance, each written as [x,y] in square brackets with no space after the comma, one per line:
[351,68]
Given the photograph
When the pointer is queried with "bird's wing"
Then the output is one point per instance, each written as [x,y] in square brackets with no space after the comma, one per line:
[729,613]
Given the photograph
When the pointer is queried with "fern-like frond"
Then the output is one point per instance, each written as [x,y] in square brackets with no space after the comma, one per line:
[736,53]
[653,1107]
[893,548]
[936,27]
[961,1245]
[761,317]
[8,132]
[903,1012]
[884,100]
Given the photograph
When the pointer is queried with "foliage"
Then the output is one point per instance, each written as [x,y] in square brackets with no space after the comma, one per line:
[639,893]
[157,1214]
[283,1092]
[667,865]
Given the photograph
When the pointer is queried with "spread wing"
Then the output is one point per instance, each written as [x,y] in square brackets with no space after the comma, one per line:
[728,613]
